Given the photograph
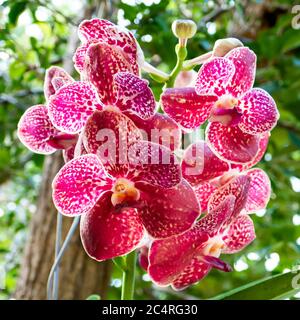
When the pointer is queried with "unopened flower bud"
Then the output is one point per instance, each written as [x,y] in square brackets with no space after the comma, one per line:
[184,29]
[223,46]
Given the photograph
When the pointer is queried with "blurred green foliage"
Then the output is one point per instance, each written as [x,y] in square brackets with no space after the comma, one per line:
[34,35]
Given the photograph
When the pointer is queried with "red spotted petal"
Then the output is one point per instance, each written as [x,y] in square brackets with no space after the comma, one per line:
[259,190]
[200,164]
[244,61]
[134,95]
[240,234]
[101,64]
[174,257]
[154,164]
[35,129]
[167,212]
[203,193]
[50,83]
[192,274]
[104,31]
[71,106]
[214,76]
[259,112]
[159,129]
[217,216]
[232,144]
[186,107]
[109,134]
[79,184]
[237,187]
[107,233]
[89,30]
[263,144]
[80,56]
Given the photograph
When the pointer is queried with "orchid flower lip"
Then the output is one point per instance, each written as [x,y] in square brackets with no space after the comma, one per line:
[213,246]
[124,191]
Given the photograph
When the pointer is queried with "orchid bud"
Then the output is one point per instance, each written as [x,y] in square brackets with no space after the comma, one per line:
[223,46]
[184,29]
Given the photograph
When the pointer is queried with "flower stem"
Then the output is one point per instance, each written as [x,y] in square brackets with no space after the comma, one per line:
[57,249]
[181,53]
[60,255]
[157,74]
[190,64]
[129,277]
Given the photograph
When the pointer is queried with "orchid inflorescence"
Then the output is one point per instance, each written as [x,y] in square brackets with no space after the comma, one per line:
[124,171]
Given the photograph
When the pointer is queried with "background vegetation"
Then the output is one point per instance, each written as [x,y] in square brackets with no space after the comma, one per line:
[34,36]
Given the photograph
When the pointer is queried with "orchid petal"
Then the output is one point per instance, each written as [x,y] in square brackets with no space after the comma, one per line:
[259,190]
[240,234]
[71,106]
[238,187]
[102,62]
[107,233]
[214,76]
[159,129]
[232,144]
[109,134]
[174,257]
[49,83]
[186,107]
[134,95]
[35,129]
[259,112]
[161,217]
[203,193]
[200,164]
[154,164]
[244,61]
[79,184]
[217,216]
[263,144]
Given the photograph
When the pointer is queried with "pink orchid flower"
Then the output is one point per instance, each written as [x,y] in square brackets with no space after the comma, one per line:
[120,201]
[239,115]
[109,79]
[185,259]
[119,42]
[35,128]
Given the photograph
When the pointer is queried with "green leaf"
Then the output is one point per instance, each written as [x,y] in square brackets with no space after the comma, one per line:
[291,40]
[15,11]
[271,288]
[93,297]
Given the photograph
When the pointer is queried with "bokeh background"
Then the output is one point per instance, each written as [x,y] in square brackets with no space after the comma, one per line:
[37,34]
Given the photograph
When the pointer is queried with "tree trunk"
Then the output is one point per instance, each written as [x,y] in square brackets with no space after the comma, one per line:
[80,276]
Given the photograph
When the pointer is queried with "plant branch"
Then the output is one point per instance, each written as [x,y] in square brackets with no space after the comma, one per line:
[129,277]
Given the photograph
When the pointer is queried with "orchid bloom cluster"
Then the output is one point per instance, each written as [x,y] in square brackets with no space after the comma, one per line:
[128,181]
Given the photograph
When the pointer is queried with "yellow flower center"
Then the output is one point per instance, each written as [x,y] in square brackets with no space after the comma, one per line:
[214,247]
[224,110]
[124,191]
